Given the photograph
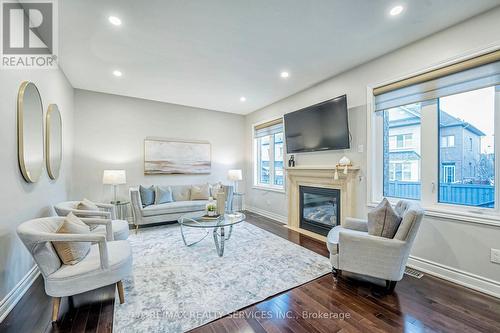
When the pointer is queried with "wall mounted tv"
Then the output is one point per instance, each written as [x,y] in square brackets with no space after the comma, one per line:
[323,126]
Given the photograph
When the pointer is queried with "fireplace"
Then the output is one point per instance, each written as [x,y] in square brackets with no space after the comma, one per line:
[319,209]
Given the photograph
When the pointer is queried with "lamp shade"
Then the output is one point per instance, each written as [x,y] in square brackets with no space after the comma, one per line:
[234,175]
[114,177]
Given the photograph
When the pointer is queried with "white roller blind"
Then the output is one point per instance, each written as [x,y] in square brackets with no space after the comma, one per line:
[268,128]
[466,80]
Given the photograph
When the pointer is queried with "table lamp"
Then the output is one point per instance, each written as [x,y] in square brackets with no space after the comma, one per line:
[235,176]
[115,178]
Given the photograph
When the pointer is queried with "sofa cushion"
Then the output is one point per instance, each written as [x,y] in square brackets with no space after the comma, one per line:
[174,207]
[383,221]
[71,253]
[200,192]
[163,194]
[147,195]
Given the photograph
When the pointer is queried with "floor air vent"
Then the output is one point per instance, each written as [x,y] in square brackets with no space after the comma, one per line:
[413,272]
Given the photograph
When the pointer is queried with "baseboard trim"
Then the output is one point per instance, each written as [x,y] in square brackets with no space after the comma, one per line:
[469,280]
[265,213]
[13,297]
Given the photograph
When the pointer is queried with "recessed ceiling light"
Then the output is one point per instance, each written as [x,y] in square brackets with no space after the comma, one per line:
[243,99]
[114,20]
[396,10]
[117,73]
[284,75]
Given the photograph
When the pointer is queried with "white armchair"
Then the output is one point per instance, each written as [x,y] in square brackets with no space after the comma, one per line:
[353,250]
[106,263]
[107,211]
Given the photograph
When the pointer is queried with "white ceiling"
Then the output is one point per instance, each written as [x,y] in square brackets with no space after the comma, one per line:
[209,53]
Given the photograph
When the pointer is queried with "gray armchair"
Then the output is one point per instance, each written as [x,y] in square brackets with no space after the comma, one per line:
[108,262]
[353,250]
[107,211]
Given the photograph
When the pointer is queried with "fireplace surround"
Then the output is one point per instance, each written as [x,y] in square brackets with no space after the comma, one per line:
[321,177]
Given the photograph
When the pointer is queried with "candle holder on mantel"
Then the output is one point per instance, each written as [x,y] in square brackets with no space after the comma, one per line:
[343,163]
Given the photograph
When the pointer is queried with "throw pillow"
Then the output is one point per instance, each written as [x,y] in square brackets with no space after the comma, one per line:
[163,194]
[147,195]
[383,220]
[200,192]
[72,252]
[86,204]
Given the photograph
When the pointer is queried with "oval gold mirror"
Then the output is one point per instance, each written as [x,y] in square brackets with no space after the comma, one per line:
[53,139]
[30,131]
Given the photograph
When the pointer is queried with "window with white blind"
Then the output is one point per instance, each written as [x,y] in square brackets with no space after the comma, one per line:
[269,155]
[435,136]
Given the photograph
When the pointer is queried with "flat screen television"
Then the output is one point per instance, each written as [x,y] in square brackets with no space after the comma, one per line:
[323,126]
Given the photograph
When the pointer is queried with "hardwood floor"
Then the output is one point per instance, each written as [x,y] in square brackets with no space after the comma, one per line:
[323,305]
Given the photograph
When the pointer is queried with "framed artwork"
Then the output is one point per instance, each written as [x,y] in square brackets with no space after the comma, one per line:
[166,156]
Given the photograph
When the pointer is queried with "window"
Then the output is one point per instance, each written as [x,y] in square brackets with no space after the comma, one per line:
[278,159]
[448,141]
[467,173]
[269,155]
[401,141]
[263,159]
[403,171]
[457,110]
[402,153]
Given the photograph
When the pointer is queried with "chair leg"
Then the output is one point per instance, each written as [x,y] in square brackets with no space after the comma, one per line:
[121,294]
[56,303]
[390,285]
[336,272]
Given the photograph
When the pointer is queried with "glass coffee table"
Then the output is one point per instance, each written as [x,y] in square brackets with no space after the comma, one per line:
[196,220]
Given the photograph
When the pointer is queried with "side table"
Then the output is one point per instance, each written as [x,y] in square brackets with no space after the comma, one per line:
[122,208]
[238,201]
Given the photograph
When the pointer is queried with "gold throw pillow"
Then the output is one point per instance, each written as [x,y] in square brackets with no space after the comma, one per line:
[200,192]
[72,252]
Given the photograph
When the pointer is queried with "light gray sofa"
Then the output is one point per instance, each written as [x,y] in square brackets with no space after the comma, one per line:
[353,250]
[172,211]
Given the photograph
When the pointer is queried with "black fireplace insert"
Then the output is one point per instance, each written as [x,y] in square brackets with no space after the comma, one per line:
[319,209]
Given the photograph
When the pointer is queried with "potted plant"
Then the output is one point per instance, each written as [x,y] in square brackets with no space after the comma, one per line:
[211,209]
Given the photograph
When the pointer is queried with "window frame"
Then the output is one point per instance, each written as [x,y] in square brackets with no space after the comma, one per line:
[256,160]
[429,173]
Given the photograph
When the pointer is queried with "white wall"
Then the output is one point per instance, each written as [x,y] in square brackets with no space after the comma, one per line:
[21,201]
[110,132]
[459,245]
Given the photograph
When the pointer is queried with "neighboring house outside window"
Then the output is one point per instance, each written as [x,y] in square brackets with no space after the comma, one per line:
[269,155]
[466,170]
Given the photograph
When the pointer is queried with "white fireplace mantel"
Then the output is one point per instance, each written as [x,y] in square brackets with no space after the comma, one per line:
[323,177]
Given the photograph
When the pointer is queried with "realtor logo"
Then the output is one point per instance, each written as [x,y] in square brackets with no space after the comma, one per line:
[28,34]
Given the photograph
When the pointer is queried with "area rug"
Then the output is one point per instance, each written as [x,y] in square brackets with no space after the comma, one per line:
[175,288]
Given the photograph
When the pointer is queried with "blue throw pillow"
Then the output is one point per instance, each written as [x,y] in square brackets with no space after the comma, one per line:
[163,195]
[147,195]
